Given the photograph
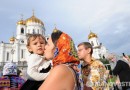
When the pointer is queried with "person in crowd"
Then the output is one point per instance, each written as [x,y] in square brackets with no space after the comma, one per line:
[61,50]
[10,80]
[127,58]
[0,72]
[122,69]
[38,68]
[93,70]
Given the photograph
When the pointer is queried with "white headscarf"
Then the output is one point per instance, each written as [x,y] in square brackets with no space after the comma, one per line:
[10,69]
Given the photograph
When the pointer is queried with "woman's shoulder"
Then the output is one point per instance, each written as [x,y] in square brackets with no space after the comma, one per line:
[59,78]
[60,72]
[62,69]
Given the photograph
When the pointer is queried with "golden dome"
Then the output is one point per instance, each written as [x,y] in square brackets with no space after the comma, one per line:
[91,35]
[21,22]
[34,19]
[12,39]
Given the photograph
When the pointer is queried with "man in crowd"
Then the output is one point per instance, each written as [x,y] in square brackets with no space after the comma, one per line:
[93,70]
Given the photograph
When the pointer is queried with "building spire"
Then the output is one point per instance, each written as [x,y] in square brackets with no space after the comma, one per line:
[13,34]
[33,12]
[90,29]
[55,26]
[21,16]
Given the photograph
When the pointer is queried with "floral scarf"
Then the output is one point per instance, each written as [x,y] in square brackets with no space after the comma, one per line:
[65,51]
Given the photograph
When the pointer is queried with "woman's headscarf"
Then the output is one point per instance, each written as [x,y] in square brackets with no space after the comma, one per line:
[10,79]
[65,51]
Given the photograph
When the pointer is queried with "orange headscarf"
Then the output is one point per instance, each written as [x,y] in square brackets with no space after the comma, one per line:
[65,51]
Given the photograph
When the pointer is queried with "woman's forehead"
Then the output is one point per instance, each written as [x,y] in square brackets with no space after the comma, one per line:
[49,39]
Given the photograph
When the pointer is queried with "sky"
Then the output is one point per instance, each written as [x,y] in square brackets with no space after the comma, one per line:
[109,19]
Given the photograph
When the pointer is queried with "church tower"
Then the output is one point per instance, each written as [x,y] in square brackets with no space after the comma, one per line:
[21,30]
[35,26]
[93,39]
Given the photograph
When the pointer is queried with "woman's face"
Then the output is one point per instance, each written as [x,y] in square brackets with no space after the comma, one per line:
[49,49]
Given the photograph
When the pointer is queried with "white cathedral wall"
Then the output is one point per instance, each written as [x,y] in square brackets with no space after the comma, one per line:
[6,48]
[96,53]
[20,52]
[35,28]
[17,55]
[18,32]
[95,42]
[104,51]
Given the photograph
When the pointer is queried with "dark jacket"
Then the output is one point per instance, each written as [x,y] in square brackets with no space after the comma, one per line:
[123,70]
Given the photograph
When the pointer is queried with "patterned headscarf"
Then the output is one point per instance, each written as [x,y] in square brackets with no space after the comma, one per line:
[10,69]
[65,51]
[10,78]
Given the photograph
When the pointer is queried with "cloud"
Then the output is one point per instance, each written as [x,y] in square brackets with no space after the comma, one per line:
[109,19]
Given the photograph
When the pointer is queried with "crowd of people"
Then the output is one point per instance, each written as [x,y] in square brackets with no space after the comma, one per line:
[55,64]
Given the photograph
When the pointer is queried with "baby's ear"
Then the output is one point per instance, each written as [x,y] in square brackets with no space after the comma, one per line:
[29,49]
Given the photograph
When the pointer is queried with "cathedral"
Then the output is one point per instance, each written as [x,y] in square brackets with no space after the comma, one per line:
[99,51]
[16,50]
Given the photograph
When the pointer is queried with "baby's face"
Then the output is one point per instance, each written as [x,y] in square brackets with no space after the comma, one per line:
[37,46]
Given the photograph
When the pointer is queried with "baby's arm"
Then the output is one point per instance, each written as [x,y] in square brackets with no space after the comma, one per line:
[33,65]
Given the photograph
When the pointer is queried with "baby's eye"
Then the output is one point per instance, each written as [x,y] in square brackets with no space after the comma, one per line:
[35,43]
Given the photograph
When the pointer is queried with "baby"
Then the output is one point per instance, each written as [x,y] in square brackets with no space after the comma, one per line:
[38,68]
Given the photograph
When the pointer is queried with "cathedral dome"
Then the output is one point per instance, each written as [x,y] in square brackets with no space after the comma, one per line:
[91,35]
[34,19]
[21,22]
[12,39]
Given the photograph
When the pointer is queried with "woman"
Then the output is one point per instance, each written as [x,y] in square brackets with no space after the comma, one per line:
[61,50]
[10,79]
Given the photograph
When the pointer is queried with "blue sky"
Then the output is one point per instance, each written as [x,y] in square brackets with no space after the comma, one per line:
[109,19]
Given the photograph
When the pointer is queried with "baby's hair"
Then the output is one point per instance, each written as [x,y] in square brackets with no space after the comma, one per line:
[34,36]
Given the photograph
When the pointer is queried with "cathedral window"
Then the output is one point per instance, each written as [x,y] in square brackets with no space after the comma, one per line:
[22,31]
[33,31]
[22,41]
[7,56]
[92,43]
[97,42]
[38,31]
[22,53]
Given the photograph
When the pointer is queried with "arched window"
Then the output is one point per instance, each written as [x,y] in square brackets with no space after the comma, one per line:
[7,56]
[97,42]
[38,31]
[22,53]
[33,31]
[92,43]
[22,31]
